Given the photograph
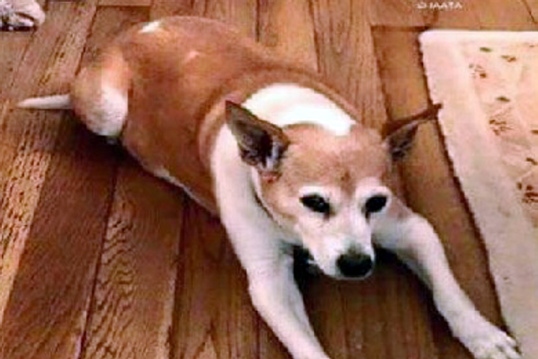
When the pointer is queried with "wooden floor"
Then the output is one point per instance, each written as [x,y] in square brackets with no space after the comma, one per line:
[100,260]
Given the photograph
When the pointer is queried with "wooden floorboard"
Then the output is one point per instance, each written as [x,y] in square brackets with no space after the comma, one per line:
[427,174]
[346,55]
[100,260]
[132,304]
[125,3]
[532,6]
[398,13]
[213,318]
[50,59]
[47,309]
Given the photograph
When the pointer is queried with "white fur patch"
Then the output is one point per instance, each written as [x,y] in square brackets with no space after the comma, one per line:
[164,174]
[191,55]
[369,187]
[150,27]
[107,116]
[287,104]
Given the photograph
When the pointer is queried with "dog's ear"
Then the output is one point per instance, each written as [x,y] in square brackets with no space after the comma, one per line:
[261,144]
[399,134]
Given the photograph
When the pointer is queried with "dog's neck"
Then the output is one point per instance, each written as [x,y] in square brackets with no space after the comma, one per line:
[288,104]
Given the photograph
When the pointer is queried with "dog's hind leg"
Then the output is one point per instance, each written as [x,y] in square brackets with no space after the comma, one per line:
[99,94]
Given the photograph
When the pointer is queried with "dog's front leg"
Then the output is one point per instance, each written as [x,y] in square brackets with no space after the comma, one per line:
[256,241]
[415,242]
[274,292]
[275,295]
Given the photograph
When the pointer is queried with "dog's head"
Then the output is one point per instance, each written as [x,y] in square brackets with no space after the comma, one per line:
[327,189]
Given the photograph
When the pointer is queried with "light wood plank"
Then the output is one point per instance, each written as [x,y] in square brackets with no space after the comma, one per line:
[287,27]
[108,23]
[463,14]
[532,6]
[162,8]
[398,13]
[428,175]
[28,138]
[346,57]
[487,15]
[13,45]
[241,14]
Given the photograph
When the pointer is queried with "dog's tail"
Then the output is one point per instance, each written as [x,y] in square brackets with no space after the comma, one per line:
[55,102]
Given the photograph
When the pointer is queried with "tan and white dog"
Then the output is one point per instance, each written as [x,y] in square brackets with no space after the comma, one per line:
[278,155]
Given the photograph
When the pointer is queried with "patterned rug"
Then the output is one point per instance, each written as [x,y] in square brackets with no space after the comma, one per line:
[487,83]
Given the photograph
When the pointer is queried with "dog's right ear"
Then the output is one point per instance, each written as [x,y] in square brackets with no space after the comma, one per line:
[261,144]
[399,134]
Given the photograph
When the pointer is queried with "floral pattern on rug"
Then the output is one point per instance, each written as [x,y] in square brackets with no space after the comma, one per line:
[505,77]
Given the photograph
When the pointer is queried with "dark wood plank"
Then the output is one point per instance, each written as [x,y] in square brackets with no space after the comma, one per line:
[125,3]
[213,314]
[137,268]
[28,138]
[374,310]
[427,174]
[47,308]
[131,310]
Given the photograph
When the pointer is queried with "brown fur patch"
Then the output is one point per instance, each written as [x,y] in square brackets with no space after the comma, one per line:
[317,157]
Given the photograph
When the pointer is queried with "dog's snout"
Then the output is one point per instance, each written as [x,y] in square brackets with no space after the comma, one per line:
[355,264]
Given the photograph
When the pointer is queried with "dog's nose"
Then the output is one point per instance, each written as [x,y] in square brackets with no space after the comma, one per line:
[355,264]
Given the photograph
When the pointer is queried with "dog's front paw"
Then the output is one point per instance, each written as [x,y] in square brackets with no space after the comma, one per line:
[485,341]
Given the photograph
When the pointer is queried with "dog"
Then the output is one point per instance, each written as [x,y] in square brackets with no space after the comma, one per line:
[282,159]
[20,15]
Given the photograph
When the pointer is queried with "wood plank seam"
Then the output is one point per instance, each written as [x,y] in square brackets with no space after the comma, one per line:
[530,11]
[91,301]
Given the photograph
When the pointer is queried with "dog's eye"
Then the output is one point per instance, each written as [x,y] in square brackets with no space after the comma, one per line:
[316,203]
[375,204]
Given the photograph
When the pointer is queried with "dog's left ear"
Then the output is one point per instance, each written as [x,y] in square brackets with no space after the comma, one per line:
[399,134]
[261,144]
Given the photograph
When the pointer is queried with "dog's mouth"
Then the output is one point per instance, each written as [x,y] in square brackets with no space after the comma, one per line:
[304,262]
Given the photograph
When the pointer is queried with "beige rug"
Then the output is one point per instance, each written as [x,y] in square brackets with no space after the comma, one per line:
[487,83]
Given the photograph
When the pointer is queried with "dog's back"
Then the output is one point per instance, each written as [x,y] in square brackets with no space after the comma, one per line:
[161,87]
